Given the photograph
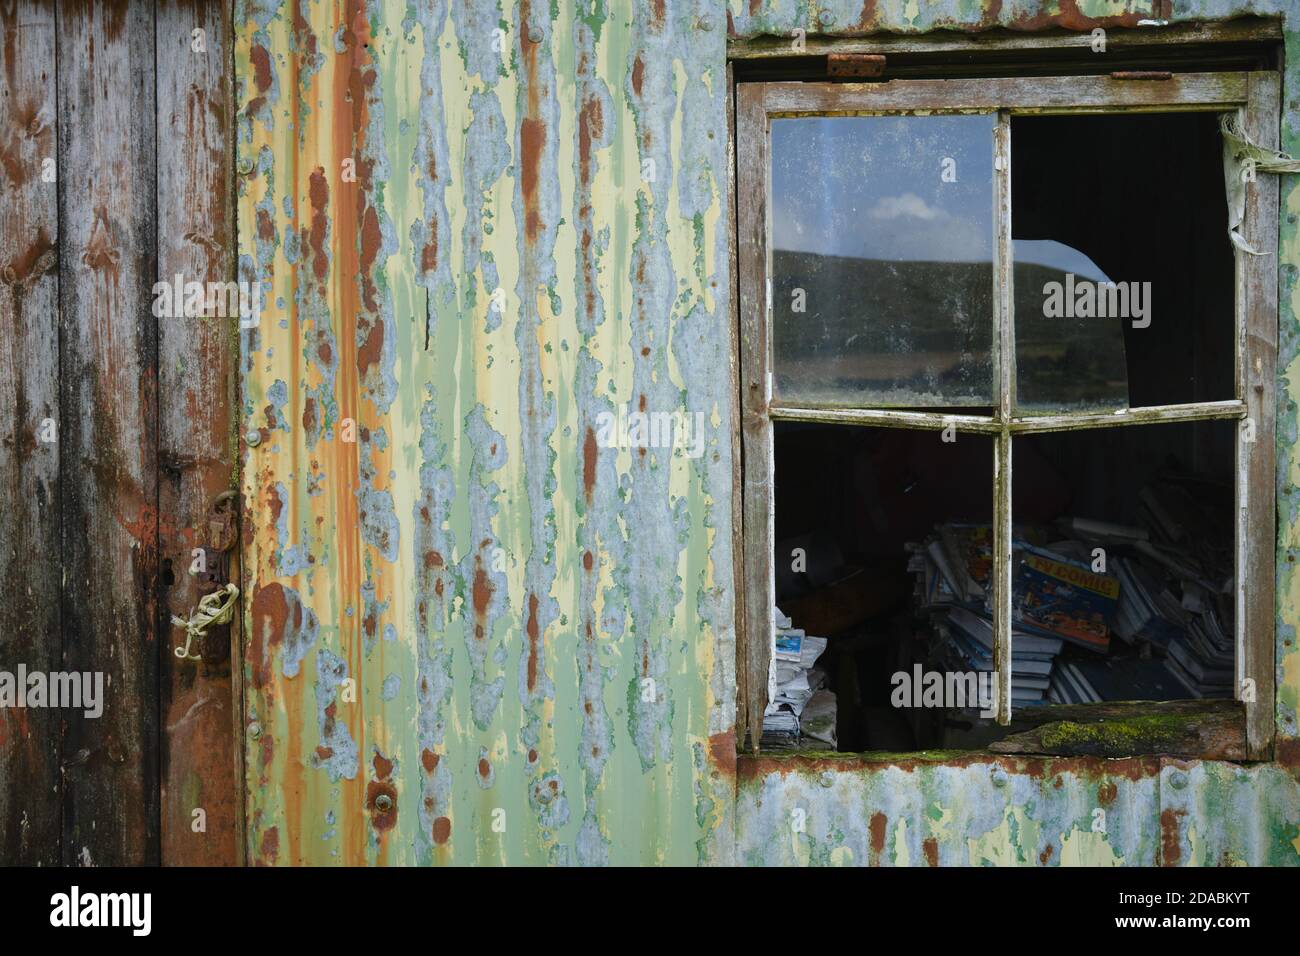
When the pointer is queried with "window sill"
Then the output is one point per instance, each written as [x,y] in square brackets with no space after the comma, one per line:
[1184,729]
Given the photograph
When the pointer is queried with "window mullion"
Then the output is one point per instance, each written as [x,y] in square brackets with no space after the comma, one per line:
[1005,369]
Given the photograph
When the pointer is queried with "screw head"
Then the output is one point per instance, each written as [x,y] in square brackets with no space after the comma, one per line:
[826,18]
[383,803]
[534,35]
[253,437]
[1178,780]
[254,730]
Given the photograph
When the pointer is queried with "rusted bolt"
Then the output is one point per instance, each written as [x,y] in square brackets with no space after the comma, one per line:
[999,777]
[1178,780]
[825,18]
[534,35]
[253,437]
[254,730]
[383,803]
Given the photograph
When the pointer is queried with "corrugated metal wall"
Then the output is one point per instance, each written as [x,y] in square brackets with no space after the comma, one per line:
[475,633]
[538,629]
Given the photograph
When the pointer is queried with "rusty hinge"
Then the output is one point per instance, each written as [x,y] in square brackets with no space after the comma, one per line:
[1141,75]
[855,64]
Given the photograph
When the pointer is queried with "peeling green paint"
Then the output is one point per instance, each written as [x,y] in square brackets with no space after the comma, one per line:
[497,587]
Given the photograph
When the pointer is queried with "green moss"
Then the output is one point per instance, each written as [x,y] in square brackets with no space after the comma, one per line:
[1132,735]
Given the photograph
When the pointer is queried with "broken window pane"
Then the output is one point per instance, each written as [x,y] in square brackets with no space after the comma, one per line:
[881,259]
[857,514]
[1122,579]
[1123,270]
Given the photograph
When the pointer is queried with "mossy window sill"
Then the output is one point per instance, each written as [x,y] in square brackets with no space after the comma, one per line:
[1184,729]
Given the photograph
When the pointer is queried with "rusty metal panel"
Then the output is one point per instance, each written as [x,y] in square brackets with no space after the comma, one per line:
[959,811]
[1223,814]
[477,631]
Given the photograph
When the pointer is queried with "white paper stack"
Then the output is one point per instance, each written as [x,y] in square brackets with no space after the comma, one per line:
[793,681]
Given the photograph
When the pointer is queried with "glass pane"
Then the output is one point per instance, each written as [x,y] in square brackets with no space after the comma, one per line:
[1123,271]
[882,260]
[1122,579]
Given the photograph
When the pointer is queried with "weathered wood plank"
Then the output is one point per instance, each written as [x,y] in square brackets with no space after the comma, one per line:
[108,382]
[1257,374]
[1211,729]
[755,425]
[29,417]
[1047,94]
[197,375]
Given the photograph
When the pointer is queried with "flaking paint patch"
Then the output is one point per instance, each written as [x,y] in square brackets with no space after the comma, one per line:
[485,580]
[536,207]
[336,753]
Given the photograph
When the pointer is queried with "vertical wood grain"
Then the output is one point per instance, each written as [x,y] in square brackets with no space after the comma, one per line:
[29,405]
[108,468]
[1258,377]
[197,378]
[755,424]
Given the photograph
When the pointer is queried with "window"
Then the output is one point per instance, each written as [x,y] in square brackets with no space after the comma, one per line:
[1001,320]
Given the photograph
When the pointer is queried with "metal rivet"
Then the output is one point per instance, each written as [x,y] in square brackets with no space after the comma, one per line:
[245,167]
[999,777]
[827,779]
[1178,780]
[253,436]
[254,730]
[825,18]
[534,35]
[383,803]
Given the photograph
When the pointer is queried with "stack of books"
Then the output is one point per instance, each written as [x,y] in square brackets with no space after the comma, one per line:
[1149,616]
[967,645]
[1057,599]
[799,705]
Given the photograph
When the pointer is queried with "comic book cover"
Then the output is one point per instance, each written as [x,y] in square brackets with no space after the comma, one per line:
[1064,598]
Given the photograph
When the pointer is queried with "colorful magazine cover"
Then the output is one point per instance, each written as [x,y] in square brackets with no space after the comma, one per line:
[1064,598]
[789,645]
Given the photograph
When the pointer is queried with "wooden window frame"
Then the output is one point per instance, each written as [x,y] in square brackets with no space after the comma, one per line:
[1255,96]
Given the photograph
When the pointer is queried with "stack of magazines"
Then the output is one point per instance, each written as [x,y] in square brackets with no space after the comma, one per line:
[800,708]
[1100,611]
